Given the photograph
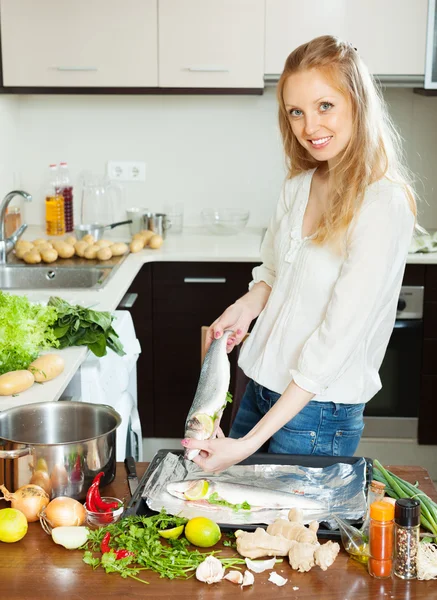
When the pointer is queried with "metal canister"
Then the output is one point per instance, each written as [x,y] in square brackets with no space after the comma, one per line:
[159,223]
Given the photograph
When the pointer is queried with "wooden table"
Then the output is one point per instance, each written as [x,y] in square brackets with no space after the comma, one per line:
[37,569]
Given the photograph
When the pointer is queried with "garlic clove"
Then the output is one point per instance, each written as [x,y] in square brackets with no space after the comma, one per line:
[248,579]
[234,576]
[259,566]
[277,579]
[210,570]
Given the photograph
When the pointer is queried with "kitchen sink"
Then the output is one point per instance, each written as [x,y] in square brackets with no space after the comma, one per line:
[47,277]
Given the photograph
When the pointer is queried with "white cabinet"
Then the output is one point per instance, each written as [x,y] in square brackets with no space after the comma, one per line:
[390,35]
[211,44]
[79,43]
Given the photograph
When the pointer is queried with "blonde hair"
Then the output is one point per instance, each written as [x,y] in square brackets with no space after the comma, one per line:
[375,147]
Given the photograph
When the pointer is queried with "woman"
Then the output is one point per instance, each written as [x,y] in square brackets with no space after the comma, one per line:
[333,260]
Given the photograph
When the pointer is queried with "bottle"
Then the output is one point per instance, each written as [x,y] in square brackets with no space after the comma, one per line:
[66,190]
[407,524]
[381,539]
[375,493]
[55,222]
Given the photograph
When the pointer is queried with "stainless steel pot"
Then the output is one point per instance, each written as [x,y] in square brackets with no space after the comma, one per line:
[96,230]
[159,223]
[60,444]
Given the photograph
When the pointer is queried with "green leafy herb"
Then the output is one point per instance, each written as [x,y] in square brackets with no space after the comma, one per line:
[228,398]
[215,499]
[139,534]
[25,329]
[79,326]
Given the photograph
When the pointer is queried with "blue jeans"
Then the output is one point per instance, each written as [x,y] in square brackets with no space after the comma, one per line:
[319,428]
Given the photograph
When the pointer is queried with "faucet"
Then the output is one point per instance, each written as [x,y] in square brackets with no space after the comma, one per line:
[6,245]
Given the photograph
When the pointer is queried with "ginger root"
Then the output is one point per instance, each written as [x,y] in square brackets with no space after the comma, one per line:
[301,556]
[259,543]
[294,529]
[325,554]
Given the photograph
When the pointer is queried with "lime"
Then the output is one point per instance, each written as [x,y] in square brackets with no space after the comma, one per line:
[202,532]
[171,534]
[207,423]
[197,490]
[13,525]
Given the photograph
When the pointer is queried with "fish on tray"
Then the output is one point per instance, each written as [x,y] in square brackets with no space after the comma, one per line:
[209,402]
[238,496]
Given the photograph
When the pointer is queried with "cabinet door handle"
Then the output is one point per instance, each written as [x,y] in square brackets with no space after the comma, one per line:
[76,68]
[204,279]
[128,300]
[207,69]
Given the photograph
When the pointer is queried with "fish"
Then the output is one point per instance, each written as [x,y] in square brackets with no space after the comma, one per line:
[210,397]
[236,494]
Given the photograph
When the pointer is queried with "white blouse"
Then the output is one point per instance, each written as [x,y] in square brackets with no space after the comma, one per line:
[329,316]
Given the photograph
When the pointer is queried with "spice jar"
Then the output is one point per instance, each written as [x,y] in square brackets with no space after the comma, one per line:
[381,539]
[407,523]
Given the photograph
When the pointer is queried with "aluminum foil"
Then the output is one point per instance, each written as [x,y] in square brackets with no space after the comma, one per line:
[340,487]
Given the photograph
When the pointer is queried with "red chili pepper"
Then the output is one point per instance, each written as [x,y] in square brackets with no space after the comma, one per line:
[104,547]
[94,501]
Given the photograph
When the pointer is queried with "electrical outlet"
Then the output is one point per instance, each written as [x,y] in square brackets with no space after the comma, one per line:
[124,170]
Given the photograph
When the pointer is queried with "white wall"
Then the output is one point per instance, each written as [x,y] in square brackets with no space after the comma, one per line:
[200,150]
[8,143]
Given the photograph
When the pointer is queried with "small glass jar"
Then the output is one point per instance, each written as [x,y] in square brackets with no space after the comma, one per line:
[407,524]
[381,540]
[375,493]
[12,220]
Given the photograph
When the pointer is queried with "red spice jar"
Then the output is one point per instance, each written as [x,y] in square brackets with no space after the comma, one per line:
[381,539]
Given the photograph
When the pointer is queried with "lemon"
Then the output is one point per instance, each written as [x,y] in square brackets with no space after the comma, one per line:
[202,532]
[198,490]
[13,525]
[207,423]
[171,534]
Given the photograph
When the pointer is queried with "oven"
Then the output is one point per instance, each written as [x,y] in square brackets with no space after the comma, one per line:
[393,412]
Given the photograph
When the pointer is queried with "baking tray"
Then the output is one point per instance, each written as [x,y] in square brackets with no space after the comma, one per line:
[138,506]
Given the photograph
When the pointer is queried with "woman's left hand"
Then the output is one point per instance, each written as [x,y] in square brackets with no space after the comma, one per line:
[220,453]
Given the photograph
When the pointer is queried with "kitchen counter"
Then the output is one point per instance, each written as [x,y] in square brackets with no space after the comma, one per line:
[37,569]
[194,244]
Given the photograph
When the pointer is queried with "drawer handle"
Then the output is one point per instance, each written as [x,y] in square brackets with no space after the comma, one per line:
[128,300]
[204,279]
[76,68]
[207,69]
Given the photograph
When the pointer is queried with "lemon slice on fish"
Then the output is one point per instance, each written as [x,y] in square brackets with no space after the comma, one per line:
[198,490]
[207,423]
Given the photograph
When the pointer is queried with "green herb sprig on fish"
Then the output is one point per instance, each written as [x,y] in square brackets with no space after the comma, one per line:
[214,498]
[139,534]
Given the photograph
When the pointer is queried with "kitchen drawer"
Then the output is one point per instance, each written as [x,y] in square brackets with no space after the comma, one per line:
[430,320]
[430,282]
[429,361]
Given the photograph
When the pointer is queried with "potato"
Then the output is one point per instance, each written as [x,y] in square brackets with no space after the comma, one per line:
[32,257]
[15,382]
[136,245]
[80,248]
[104,254]
[147,235]
[70,239]
[155,242]
[88,238]
[42,247]
[119,249]
[46,367]
[39,241]
[65,250]
[49,255]
[104,243]
[91,252]
[22,248]
[23,244]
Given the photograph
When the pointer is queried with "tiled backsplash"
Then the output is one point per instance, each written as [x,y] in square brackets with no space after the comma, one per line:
[200,150]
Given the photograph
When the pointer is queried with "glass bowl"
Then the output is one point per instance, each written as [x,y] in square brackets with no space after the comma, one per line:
[100,519]
[224,221]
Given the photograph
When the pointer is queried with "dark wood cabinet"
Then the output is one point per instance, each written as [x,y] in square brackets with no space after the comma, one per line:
[174,300]
[427,432]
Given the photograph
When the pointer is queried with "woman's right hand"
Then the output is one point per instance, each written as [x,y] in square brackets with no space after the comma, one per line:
[237,317]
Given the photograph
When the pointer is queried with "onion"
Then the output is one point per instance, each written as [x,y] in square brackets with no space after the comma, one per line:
[29,499]
[42,479]
[63,512]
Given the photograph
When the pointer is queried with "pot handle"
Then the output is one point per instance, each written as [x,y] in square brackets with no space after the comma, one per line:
[15,453]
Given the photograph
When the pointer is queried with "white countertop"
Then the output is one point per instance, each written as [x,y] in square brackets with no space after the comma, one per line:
[194,244]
